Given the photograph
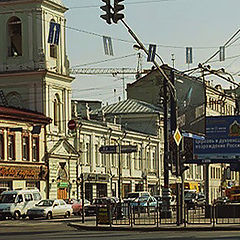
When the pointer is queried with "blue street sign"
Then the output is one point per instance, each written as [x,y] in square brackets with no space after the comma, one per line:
[151,52]
[222,141]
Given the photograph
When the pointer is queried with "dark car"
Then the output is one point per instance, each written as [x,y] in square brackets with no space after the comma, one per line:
[193,199]
[91,209]
[222,200]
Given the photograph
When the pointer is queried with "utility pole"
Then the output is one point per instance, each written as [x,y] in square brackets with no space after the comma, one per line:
[167,84]
[119,171]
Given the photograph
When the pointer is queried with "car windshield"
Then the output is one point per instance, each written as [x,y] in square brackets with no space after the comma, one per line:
[142,199]
[45,203]
[132,195]
[101,201]
[190,195]
[7,198]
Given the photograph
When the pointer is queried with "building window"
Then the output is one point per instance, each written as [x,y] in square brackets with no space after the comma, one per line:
[88,153]
[15,37]
[128,160]
[57,111]
[1,146]
[25,148]
[11,147]
[35,149]
[97,155]
[53,51]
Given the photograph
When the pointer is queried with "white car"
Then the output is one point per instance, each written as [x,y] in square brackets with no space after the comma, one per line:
[49,209]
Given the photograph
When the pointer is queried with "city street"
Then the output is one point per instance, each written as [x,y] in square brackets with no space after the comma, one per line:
[58,229]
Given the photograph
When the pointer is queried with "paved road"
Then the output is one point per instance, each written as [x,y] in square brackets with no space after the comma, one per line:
[59,230]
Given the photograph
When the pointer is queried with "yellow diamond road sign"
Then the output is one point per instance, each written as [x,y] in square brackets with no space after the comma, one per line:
[177,137]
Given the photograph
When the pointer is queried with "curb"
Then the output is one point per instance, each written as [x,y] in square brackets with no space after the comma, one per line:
[153,229]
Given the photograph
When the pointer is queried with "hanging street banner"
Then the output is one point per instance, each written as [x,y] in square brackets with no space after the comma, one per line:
[222,141]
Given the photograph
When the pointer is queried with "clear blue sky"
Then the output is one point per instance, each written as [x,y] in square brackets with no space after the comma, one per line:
[202,24]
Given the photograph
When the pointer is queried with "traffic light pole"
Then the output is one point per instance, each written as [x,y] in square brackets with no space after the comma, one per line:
[166,83]
[119,171]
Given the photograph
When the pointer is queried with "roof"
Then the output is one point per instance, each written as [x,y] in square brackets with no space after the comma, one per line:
[129,106]
[11,113]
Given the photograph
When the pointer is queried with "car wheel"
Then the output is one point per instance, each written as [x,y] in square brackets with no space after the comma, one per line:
[67,215]
[31,218]
[49,215]
[17,215]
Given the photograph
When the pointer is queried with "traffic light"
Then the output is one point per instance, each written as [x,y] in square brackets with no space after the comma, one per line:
[117,8]
[107,8]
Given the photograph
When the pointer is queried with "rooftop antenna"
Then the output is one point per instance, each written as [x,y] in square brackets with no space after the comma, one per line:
[139,65]
[173,60]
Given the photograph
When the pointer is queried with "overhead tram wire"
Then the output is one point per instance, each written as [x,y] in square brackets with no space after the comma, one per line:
[122,40]
[105,60]
[129,3]
[227,44]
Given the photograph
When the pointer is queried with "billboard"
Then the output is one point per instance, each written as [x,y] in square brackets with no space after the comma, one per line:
[190,103]
[222,141]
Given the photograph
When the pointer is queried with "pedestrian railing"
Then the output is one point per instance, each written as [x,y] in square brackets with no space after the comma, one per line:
[133,215]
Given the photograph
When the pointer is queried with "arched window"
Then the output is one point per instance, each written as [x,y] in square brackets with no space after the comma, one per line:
[53,47]
[14,37]
[57,110]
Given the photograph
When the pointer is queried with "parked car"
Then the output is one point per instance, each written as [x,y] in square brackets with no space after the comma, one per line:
[90,210]
[193,199]
[77,206]
[222,200]
[131,196]
[49,209]
[17,202]
[143,202]
[70,200]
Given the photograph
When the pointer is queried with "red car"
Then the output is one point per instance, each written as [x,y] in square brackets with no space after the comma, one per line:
[77,206]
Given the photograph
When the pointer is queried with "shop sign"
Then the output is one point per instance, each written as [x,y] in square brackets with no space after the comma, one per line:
[103,215]
[62,185]
[92,177]
[102,178]
[23,172]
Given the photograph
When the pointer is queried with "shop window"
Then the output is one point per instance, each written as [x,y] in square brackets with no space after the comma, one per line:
[11,147]
[33,184]
[35,149]
[15,37]
[1,146]
[25,148]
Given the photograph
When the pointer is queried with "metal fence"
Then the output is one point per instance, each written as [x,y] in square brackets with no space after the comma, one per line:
[127,214]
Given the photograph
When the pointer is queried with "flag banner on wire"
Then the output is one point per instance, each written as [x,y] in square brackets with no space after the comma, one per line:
[54,33]
[189,58]
[151,52]
[222,53]
[107,45]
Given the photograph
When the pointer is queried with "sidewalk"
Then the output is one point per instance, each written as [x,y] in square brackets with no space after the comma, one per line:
[91,226]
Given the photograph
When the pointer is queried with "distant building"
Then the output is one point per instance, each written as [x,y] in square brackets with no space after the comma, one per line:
[149,89]
[129,122]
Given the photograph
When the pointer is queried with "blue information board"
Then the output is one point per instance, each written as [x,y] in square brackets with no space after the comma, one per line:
[222,141]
